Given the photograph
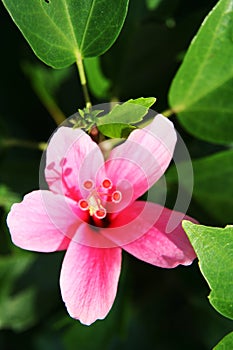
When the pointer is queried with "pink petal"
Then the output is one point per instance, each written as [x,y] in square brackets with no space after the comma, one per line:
[94,237]
[130,224]
[72,158]
[156,245]
[43,222]
[143,158]
[89,279]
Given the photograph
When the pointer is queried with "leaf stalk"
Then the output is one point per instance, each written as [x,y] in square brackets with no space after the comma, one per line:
[83,80]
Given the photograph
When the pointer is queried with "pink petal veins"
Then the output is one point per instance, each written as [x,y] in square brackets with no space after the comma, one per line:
[86,190]
[89,279]
[43,222]
[158,247]
[72,157]
[143,158]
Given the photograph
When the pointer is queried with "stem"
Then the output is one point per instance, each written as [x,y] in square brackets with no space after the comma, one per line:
[41,146]
[83,80]
[55,112]
[46,98]
[168,113]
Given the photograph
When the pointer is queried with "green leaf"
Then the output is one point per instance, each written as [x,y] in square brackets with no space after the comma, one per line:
[62,31]
[17,308]
[201,93]
[116,130]
[214,249]
[85,118]
[98,84]
[226,343]
[117,123]
[7,197]
[213,185]
[129,112]
[143,101]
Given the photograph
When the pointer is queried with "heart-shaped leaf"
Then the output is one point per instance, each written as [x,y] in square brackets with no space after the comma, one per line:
[226,343]
[214,249]
[62,31]
[201,93]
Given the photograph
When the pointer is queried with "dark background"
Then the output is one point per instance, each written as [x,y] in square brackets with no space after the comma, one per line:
[155,308]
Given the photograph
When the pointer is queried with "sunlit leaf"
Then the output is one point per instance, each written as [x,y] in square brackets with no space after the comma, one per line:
[62,31]
[202,90]
[117,123]
[226,343]
[129,112]
[214,249]
[143,101]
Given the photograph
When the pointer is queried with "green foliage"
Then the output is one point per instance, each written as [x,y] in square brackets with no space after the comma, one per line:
[17,308]
[62,31]
[142,62]
[117,123]
[201,92]
[142,101]
[226,343]
[86,119]
[214,249]
[116,130]
[129,112]
[152,4]
[89,338]
[46,83]
[7,197]
[213,185]
[98,84]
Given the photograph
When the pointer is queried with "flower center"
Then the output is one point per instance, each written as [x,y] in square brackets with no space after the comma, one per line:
[98,196]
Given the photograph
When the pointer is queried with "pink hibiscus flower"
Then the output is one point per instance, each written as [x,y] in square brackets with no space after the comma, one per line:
[91,211]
